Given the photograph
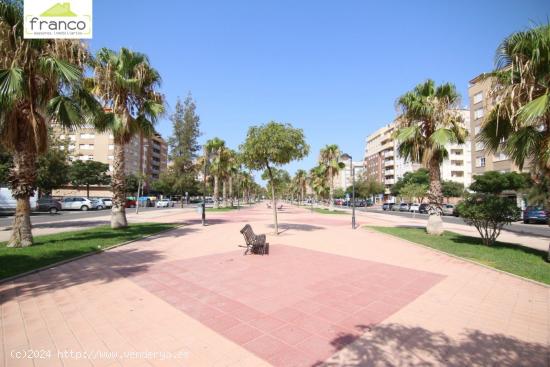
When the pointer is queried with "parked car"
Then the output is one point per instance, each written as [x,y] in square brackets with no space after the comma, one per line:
[414,208]
[423,209]
[449,209]
[130,203]
[106,203]
[165,203]
[48,204]
[78,203]
[395,207]
[404,207]
[387,206]
[8,202]
[535,214]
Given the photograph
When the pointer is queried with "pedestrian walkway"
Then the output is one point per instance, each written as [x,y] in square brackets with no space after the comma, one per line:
[325,295]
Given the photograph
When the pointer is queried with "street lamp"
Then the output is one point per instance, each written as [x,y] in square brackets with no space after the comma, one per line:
[344,157]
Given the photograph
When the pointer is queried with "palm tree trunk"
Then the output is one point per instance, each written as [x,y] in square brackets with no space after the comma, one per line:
[231,190]
[216,191]
[118,211]
[224,193]
[435,197]
[22,178]
[331,190]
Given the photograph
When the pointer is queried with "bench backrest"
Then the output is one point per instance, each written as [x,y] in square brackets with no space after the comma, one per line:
[248,233]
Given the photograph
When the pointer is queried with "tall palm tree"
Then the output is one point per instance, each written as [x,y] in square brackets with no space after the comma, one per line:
[126,84]
[300,178]
[214,150]
[232,170]
[40,82]
[317,179]
[330,158]
[427,124]
[519,123]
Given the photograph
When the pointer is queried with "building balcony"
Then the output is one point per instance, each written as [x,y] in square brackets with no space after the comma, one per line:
[389,172]
[389,181]
[389,163]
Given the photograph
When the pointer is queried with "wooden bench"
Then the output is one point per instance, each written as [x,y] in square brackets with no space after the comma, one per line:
[255,244]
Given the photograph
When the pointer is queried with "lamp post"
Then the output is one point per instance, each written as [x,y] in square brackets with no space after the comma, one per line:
[347,156]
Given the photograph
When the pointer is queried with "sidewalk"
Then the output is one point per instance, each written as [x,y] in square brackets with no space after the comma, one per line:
[325,295]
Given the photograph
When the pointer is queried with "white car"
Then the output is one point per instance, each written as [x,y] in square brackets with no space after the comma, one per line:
[8,202]
[164,203]
[414,208]
[78,203]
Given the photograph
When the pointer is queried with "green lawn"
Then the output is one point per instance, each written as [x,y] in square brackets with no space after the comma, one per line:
[326,211]
[52,248]
[515,259]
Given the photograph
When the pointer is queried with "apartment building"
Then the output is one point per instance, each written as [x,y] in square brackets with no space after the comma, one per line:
[480,105]
[146,155]
[384,164]
[344,178]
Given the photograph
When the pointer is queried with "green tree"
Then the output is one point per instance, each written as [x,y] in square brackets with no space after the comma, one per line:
[421,176]
[411,191]
[87,173]
[428,122]
[339,193]
[126,83]
[318,181]
[279,184]
[40,81]
[452,189]
[6,163]
[486,209]
[519,123]
[366,188]
[184,147]
[270,145]
[131,184]
[330,158]
[53,167]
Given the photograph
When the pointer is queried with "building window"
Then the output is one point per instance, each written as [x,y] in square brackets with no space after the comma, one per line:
[111,146]
[86,157]
[87,136]
[110,157]
[457,173]
[478,113]
[480,146]
[478,97]
[86,146]
[480,161]
[71,147]
[477,129]
[501,157]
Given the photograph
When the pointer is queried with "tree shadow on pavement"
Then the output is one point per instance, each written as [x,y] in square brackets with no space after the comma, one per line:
[398,345]
[283,227]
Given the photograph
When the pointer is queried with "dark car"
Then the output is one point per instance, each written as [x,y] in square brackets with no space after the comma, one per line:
[48,205]
[535,214]
[387,206]
[423,209]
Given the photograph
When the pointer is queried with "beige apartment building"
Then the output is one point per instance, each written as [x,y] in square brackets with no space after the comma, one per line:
[480,105]
[146,155]
[343,179]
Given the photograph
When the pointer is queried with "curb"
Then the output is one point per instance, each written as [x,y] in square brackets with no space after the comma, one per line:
[463,259]
[51,266]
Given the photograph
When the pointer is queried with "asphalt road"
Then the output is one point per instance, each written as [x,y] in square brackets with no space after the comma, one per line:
[37,218]
[518,227]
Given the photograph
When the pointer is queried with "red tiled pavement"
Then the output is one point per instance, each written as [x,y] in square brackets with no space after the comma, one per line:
[295,303]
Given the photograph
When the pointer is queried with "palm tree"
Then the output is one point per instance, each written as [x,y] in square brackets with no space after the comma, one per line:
[214,149]
[40,82]
[300,178]
[330,158]
[233,169]
[318,181]
[126,84]
[428,122]
[519,123]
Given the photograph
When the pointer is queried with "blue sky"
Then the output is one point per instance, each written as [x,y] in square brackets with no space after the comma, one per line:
[332,68]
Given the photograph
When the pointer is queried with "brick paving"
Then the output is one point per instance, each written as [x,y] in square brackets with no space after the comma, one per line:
[193,299]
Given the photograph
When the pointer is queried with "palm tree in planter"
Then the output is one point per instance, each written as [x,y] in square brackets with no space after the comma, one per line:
[330,159]
[40,82]
[214,149]
[427,124]
[519,123]
[127,85]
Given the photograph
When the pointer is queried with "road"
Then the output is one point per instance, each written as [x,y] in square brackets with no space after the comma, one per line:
[37,218]
[517,227]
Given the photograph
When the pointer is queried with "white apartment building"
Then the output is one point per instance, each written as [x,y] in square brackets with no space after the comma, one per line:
[344,178]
